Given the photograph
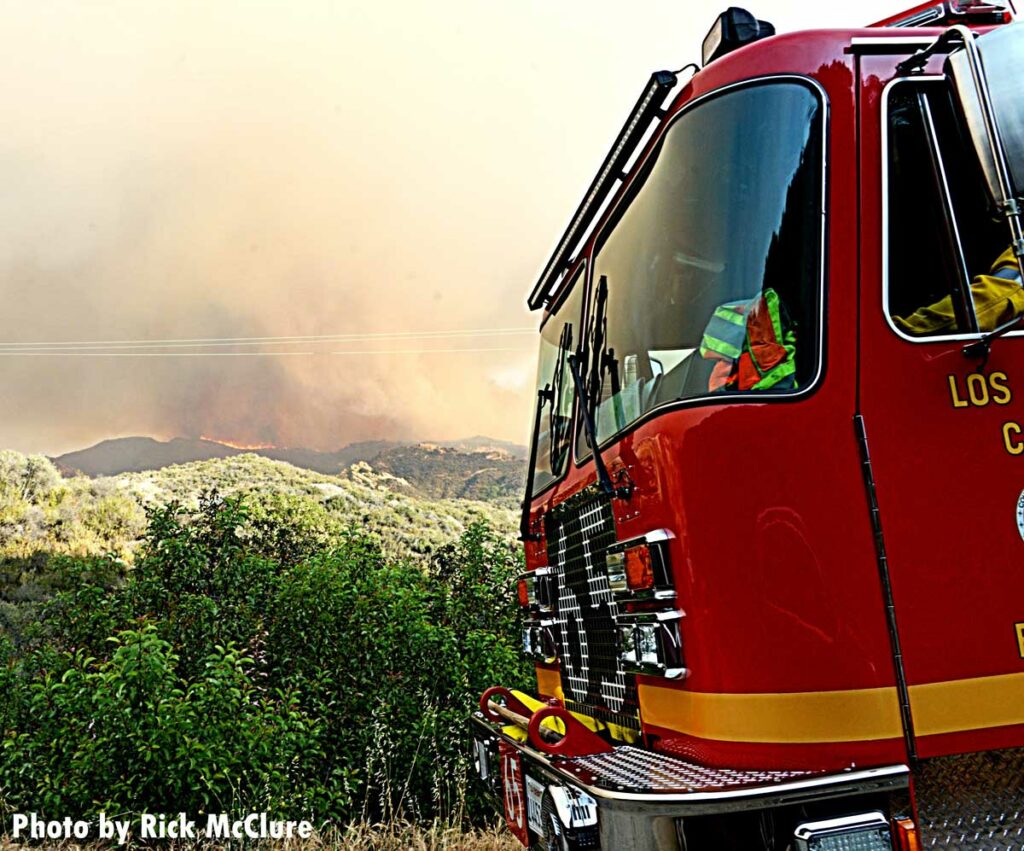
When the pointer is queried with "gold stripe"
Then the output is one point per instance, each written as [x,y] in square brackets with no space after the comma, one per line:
[975,704]
[857,715]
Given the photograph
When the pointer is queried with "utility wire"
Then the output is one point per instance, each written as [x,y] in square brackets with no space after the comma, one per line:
[204,342]
[44,353]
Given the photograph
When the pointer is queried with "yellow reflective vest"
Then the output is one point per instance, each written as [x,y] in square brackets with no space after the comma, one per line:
[998,298]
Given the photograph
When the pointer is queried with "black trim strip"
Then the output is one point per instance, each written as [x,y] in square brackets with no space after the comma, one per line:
[883,571]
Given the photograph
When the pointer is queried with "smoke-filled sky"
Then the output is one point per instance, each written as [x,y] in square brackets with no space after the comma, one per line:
[224,169]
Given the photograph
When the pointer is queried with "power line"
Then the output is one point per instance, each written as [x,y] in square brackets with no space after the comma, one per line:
[204,342]
[46,353]
[366,352]
[425,351]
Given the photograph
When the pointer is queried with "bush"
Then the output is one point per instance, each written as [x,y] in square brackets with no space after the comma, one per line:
[244,665]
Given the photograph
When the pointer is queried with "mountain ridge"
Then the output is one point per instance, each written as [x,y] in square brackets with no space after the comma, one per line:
[477,467]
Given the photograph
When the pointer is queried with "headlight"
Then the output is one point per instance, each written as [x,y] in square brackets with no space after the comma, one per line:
[865,832]
[536,590]
[650,643]
[539,642]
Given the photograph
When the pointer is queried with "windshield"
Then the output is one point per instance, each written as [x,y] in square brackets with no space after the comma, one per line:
[709,282]
[558,339]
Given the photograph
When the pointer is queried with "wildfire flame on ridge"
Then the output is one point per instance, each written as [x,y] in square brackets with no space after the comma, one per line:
[235,445]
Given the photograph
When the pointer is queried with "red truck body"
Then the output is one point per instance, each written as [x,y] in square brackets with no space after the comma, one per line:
[847,561]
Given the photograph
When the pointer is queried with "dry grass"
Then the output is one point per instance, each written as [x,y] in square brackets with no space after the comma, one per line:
[358,837]
[402,837]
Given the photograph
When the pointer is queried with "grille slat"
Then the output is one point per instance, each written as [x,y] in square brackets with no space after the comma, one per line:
[579,531]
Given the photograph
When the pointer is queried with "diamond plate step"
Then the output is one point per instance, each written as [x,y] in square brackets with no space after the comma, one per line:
[636,770]
[972,802]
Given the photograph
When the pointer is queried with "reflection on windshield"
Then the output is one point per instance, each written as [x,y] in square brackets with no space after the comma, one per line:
[709,282]
[559,337]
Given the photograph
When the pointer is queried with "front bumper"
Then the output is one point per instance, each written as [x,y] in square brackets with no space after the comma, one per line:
[640,796]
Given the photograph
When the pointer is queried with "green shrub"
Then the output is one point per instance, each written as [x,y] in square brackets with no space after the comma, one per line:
[257,659]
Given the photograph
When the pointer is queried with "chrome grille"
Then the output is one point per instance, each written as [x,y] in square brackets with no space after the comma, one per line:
[579,531]
[972,801]
[636,770]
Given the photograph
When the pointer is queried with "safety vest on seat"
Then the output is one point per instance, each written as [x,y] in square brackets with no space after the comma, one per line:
[754,344]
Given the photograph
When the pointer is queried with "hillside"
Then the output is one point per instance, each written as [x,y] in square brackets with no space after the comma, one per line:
[40,512]
[439,472]
[136,454]
[132,454]
[475,468]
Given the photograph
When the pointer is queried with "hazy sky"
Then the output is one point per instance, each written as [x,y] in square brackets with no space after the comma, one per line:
[214,169]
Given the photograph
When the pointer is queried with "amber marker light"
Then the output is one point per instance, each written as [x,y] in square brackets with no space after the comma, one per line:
[906,835]
[639,568]
[524,590]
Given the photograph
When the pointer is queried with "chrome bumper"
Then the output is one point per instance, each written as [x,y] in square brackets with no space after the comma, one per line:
[641,794]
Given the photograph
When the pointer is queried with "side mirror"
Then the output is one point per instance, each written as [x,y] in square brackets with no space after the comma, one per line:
[998,75]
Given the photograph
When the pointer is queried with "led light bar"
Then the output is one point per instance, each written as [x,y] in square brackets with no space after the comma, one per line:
[978,7]
[864,832]
[951,11]
[647,109]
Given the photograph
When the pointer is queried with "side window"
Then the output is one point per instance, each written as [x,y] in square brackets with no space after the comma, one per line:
[942,235]
[709,283]
[559,338]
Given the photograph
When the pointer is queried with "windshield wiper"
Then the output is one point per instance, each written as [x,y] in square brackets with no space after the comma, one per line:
[557,427]
[546,394]
[601,360]
[603,479]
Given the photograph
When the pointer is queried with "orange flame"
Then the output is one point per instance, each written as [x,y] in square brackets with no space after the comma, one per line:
[234,445]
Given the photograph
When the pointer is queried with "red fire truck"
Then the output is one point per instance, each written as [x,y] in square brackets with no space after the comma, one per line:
[774,525]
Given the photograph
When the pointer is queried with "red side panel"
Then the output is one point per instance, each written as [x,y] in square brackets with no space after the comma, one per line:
[949,484]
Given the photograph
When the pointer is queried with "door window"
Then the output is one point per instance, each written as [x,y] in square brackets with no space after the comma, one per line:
[946,248]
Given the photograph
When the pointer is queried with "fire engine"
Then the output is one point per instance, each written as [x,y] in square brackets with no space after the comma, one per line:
[774,521]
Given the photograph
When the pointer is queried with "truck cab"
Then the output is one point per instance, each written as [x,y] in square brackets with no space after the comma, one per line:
[774,527]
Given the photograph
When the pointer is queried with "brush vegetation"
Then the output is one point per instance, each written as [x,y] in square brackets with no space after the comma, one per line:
[42,514]
[238,635]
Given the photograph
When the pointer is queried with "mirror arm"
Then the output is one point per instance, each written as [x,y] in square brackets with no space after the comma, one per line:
[917,62]
[982,347]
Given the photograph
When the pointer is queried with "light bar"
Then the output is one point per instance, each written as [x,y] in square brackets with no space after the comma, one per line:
[978,7]
[647,109]
[950,11]
[865,832]
[733,29]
